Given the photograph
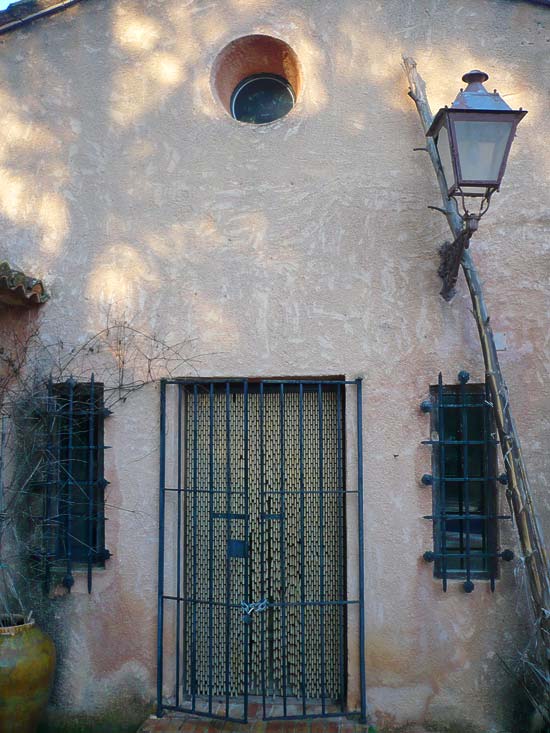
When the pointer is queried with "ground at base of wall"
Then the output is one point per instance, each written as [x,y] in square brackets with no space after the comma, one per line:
[188,724]
[124,719]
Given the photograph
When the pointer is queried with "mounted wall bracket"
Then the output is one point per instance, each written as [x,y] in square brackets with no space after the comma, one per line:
[451,256]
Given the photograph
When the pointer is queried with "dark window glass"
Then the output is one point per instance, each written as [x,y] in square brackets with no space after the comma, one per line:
[464,482]
[262,98]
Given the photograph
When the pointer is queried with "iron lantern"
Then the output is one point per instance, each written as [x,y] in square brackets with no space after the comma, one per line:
[473,138]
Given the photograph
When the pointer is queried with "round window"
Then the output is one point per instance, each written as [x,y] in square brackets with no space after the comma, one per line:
[257,78]
[262,98]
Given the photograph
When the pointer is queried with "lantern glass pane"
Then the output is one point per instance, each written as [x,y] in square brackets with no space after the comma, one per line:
[481,146]
[444,150]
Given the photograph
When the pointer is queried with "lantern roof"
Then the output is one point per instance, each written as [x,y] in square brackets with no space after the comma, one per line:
[475,96]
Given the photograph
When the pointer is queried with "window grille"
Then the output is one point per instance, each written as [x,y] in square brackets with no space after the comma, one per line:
[72,497]
[465,502]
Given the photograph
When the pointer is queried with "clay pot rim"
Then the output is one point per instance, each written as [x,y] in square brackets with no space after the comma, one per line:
[14,628]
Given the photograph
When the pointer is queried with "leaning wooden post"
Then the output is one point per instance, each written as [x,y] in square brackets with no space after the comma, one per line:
[518,490]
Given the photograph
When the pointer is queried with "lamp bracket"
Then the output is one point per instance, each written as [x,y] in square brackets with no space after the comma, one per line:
[451,256]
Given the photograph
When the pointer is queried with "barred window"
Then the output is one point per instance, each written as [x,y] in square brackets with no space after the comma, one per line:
[464,463]
[73,533]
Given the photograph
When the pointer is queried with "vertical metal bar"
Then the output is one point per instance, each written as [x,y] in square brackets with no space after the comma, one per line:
[50,417]
[210,543]
[262,548]
[465,475]
[321,549]
[246,593]
[442,472]
[178,547]
[195,489]
[68,580]
[341,559]
[186,523]
[489,500]
[3,502]
[3,432]
[91,483]
[282,537]
[160,594]
[362,640]
[228,539]
[302,545]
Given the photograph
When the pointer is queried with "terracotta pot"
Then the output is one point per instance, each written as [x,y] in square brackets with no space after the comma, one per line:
[27,665]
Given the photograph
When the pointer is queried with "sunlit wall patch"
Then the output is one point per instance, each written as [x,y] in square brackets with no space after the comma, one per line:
[257,78]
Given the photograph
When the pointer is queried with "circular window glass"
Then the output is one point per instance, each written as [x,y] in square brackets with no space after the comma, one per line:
[262,98]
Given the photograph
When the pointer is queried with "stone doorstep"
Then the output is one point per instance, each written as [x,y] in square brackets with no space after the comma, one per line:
[190,724]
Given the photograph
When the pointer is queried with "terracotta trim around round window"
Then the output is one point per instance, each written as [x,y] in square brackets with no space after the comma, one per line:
[254,56]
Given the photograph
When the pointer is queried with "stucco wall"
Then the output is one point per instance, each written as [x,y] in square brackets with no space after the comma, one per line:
[298,248]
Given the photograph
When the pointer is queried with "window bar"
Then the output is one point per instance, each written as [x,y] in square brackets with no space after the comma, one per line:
[186,685]
[47,538]
[160,594]
[262,548]
[340,501]
[468,584]
[210,543]
[361,532]
[228,540]
[68,580]
[321,551]
[91,483]
[249,545]
[195,481]
[302,544]
[282,537]
[441,472]
[489,508]
[100,502]
[178,548]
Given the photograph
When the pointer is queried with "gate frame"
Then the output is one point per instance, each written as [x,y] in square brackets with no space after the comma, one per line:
[358,382]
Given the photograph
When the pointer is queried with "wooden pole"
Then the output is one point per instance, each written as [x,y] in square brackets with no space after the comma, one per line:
[518,491]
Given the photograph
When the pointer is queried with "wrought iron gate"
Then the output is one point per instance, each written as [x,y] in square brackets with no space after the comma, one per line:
[253,605]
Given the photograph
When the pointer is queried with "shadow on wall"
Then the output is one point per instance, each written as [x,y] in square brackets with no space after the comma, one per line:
[82,161]
[123,180]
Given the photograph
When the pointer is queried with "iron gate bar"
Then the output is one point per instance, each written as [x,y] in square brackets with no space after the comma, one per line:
[341,539]
[247,540]
[322,553]
[269,605]
[195,486]
[282,537]
[360,510]
[184,483]
[228,540]
[238,380]
[231,489]
[262,548]
[160,598]
[302,545]
[178,559]
[210,540]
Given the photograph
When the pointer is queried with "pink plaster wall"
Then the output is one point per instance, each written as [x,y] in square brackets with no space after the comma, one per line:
[300,247]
